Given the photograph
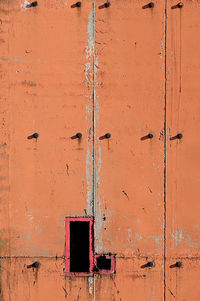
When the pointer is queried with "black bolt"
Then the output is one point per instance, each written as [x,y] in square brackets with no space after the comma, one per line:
[150,136]
[150,264]
[36,264]
[107,4]
[178,264]
[180,4]
[179,136]
[78,135]
[78,4]
[35,135]
[151,5]
[33,4]
[107,136]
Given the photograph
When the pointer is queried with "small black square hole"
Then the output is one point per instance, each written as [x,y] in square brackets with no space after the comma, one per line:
[103,263]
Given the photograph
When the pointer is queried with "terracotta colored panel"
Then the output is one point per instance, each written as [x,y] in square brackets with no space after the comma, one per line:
[183,107]
[44,90]
[183,283]
[45,283]
[129,105]
[131,282]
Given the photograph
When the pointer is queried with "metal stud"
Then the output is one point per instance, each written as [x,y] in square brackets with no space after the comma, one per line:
[178,136]
[149,264]
[106,136]
[107,4]
[78,4]
[149,136]
[36,264]
[180,4]
[149,5]
[33,4]
[77,136]
[33,136]
[178,264]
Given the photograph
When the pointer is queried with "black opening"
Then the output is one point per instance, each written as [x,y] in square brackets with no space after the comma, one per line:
[103,263]
[79,246]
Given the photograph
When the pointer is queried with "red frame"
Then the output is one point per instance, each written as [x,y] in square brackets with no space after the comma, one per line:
[108,256]
[91,252]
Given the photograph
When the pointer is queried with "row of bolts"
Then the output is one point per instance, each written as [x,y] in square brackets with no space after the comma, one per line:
[149,264]
[108,135]
[107,4]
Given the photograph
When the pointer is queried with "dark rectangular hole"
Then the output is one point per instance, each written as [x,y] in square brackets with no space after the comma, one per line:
[79,246]
[103,263]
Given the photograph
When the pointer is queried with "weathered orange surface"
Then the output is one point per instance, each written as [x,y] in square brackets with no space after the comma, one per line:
[121,70]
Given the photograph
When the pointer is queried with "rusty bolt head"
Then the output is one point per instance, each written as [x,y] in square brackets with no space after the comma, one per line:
[150,264]
[150,136]
[107,136]
[151,4]
[78,4]
[35,135]
[79,135]
[107,4]
[178,264]
[180,4]
[33,4]
[179,136]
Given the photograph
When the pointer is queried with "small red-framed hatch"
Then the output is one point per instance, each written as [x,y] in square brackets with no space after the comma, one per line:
[79,246]
[104,263]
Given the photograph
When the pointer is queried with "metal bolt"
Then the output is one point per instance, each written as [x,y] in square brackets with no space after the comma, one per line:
[107,4]
[150,136]
[180,4]
[107,136]
[151,5]
[150,264]
[78,4]
[178,264]
[78,135]
[36,264]
[35,135]
[33,4]
[179,136]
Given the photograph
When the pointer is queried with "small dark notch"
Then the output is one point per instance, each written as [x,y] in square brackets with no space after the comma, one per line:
[33,136]
[178,136]
[178,264]
[179,5]
[77,4]
[77,136]
[106,136]
[32,4]
[105,5]
[149,5]
[35,264]
[103,263]
[149,264]
[149,136]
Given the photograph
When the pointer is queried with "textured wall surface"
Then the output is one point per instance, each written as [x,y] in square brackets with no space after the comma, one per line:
[129,70]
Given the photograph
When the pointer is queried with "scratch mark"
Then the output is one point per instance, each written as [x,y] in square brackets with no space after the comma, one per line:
[124,192]
[67,167]
[66,293]
[171,293]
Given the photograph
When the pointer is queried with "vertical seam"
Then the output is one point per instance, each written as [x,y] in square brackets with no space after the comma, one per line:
[165,150]
[93,133]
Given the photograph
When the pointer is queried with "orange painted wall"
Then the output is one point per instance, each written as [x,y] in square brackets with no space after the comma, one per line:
[122,70]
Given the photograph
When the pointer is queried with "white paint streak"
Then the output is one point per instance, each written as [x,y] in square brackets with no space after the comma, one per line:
[91,285]
[89,111]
